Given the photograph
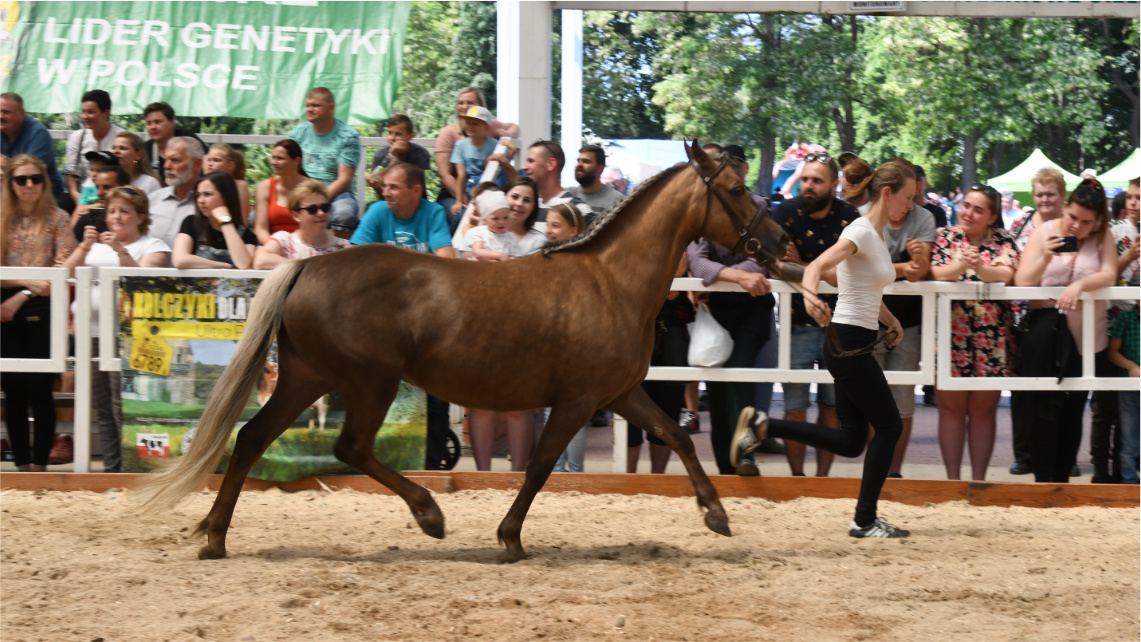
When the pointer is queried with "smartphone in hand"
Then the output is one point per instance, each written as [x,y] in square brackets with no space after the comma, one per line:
[1069,244]
[97,218]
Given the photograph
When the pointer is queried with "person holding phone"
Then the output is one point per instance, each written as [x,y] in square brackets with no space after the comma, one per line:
[116,236]
[978,249]
[1052,345]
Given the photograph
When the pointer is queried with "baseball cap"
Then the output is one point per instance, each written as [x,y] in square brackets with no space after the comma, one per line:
[106,157]
[479,113]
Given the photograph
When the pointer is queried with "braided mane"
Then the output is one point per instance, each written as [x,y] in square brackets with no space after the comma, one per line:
[614,211]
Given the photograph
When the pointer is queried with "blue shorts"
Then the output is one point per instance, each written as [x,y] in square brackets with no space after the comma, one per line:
[807,350]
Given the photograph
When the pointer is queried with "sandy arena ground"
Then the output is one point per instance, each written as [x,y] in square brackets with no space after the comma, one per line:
[353,566]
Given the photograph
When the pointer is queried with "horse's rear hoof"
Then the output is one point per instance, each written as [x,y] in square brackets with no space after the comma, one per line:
[510,557]
[718,524]
[211,553]
[433,530]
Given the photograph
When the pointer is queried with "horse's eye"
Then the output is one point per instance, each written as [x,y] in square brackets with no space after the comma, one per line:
[738,190]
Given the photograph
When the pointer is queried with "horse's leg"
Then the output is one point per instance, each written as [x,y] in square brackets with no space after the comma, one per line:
[637,407]
[292,396]
[364,414]
[566,419]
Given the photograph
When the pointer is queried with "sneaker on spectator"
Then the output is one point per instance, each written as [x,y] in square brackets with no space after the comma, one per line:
[63,450]
[1075,471]
[878,528]
[752,428]
[747,468]
[690,421]
[1020,468]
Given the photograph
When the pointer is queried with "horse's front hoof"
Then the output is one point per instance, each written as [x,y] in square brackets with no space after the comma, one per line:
[210,552]
[718,524]
[511,556]
[431,522]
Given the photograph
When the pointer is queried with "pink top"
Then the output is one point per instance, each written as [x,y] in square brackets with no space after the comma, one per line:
[1064,269]
[293,248]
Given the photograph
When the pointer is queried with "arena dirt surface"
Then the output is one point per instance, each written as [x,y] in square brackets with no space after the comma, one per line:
[353,566]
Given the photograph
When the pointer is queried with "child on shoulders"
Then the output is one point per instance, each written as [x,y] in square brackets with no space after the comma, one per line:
[470,154]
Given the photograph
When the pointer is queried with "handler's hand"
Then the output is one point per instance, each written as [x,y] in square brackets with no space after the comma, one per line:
[819,310]
[894,333]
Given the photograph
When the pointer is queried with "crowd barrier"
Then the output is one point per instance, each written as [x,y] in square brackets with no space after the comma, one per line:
[260,139]
[936,328]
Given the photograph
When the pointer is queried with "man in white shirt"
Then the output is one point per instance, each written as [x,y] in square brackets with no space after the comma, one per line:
[97,135]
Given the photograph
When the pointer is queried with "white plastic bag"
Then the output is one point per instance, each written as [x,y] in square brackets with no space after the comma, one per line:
[709,344]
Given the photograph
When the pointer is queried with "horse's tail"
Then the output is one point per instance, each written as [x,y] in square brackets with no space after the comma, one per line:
[228,399]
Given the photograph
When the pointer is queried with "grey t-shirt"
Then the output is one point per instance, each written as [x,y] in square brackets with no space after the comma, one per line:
[416,155]
[919,225]
[599,201]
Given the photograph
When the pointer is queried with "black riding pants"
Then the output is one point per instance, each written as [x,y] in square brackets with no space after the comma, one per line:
[862,397]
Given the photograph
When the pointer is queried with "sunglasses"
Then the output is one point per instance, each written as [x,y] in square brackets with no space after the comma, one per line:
[313,209]
[553,149]
[820,157]
[37,179]
[987,190]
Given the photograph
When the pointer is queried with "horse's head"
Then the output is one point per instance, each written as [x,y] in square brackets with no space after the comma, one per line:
[732,219]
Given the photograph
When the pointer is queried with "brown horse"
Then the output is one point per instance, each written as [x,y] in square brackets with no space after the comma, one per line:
[570,328]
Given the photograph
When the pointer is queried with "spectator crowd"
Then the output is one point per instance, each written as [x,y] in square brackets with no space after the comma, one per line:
[169,200]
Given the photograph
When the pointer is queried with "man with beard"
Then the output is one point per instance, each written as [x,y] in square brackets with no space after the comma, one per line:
[813,221]
[588,169]
[171,204]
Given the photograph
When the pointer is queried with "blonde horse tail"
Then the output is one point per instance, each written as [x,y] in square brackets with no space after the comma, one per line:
[228,399]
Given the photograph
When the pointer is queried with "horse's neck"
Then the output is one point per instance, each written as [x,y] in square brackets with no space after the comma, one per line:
[642,253]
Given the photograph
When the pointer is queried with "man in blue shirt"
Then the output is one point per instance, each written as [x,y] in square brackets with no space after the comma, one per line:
[404,218]
[331,151]
[23,135]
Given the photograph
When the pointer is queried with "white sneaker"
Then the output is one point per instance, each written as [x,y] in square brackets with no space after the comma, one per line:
[752,428]
[878,528]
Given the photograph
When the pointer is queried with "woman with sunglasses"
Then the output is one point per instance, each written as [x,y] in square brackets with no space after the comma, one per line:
[35,233]
[214,236]
[977,249]
[863,269]
[124,243]
[271,197]
[309,206]
[1075,251]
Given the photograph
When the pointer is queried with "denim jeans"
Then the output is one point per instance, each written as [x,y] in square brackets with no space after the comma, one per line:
[1127,402]
[345,214]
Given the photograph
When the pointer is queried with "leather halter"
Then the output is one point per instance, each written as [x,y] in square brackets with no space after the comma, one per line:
[747,241]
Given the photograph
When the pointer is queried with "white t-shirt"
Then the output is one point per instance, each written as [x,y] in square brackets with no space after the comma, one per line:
[862,277]
[532,242]
[505,243]
[101,255]
[147,183]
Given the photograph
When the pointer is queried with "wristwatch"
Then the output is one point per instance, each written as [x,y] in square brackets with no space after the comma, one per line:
[222,220]
[28,293]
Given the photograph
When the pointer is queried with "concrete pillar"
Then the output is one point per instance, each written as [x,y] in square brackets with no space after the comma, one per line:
[571,139]
[523,84]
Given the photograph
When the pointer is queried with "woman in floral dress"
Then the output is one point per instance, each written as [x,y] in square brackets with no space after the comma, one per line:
[982,344]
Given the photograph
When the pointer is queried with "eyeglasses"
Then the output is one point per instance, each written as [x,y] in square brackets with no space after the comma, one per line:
[313,209]
[820,157]
[552,148]
[37,179]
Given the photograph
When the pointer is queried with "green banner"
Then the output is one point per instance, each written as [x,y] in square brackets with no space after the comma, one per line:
[246,59]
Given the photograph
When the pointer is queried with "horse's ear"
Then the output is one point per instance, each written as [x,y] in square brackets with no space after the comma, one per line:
[695,152]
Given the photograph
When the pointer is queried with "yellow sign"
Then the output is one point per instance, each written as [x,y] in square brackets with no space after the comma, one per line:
[150,354]
[215,330]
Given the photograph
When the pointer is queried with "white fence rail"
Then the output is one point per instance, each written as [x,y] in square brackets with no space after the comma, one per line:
[936,328]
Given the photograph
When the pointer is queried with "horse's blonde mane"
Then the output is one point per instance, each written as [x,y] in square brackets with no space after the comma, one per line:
[613,211]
